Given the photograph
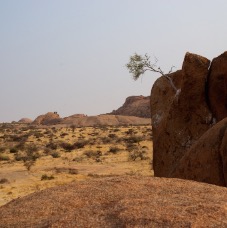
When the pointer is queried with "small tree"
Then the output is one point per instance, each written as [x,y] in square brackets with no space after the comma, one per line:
[139,64]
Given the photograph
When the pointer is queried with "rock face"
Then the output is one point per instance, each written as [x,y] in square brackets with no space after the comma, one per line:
[47,119]
[178,121]
[25,120]
[206,160]
[217,87]
[186,144]
[121,202]
[135,106]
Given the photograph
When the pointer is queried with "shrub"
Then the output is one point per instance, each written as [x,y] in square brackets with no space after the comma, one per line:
[131,147]
[20,145]
[129,132]
[114,149]
[55,155]
[112,136]
[105,140]
[38,134]
[46,177]
[133,139]
[116,130]
[80,144]
[137,154]
[64,134]
[78,159]
[2,149]
[4,181]
[73,127]
[4,157]
[91,153]
[52,146]
[13,150]
[28,164]
[73,171]
[67,146]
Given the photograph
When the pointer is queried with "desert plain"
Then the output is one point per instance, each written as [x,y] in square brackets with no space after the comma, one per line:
[33,158]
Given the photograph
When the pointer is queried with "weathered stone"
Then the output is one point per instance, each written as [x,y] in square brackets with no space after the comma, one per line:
[25,120]
[206,160]
[217,87]
[121,202]
[179,119]
[134,106]
[47,119]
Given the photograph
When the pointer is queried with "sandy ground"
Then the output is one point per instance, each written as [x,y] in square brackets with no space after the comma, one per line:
[65,169]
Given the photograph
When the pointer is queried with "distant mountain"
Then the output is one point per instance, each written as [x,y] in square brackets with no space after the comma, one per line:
[135,106]
[25,120]
[82,120]
[47,119]
[105,120]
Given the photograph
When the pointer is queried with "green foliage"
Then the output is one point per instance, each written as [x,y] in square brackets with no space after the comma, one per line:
[139,64]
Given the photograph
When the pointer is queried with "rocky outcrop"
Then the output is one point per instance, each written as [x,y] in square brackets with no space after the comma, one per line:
[105,120]
[217,87]
[121,202]
[187,143]
[179,120]
[25,120]
[134,106]
[75,116]
[81,120]
[206,160]
[49,118]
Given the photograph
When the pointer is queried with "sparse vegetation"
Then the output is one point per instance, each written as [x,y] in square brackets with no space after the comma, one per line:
[4,181]
[114,149]
[46,177]
[4,157]
[67,153]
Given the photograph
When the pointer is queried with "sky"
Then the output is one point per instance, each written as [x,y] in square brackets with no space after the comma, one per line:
[69,56]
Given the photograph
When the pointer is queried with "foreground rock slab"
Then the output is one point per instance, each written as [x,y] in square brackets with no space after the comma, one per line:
[126,201]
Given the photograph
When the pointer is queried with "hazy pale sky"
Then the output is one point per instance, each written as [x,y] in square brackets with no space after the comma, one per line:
[69,56]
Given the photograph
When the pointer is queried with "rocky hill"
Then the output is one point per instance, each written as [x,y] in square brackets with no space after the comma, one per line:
[47,119]
[82,120]
[135,106]
[25,120]
[121,202]
[104,120]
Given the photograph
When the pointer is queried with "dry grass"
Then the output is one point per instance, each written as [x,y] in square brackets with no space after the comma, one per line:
[69,154]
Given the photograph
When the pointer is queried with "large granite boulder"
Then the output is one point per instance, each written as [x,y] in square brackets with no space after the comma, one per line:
[217,87]
[134,106]
[25,121]
[206,159]
[47,119]
[179,119]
